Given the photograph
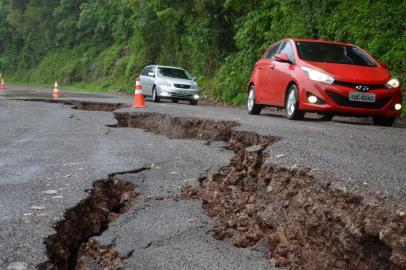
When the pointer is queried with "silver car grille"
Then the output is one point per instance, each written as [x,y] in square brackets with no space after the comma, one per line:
[182,86]
[181,95]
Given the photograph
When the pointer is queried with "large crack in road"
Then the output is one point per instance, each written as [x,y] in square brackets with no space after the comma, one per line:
[307,223]
[108,199]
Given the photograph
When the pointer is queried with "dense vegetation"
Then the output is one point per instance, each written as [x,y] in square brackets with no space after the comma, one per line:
[106,43]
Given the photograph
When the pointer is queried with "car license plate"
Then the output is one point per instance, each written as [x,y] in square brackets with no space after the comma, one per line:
[362,97]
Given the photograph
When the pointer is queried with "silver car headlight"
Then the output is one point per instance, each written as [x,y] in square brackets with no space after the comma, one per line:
[318,76]
[392,83]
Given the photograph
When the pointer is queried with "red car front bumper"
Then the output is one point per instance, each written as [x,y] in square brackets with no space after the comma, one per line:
[336,100]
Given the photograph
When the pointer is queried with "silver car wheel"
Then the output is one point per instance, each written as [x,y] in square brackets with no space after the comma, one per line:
[251,100]
[291,103]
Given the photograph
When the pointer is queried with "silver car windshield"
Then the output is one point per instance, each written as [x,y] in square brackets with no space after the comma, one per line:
[173,73]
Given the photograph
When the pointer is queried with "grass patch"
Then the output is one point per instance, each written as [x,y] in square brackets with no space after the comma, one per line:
[87,87]
[97,70]
[26,83]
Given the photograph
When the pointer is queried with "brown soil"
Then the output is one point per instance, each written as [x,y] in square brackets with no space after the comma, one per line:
[108,199]
[104,256]
[308,224]
[98,106]
[177,127]
[207,101]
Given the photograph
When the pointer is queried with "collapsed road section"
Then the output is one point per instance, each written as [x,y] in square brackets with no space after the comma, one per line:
[306,222]
[67,248]
[307,225]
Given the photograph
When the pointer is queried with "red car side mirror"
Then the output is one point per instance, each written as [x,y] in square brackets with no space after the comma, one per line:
[282,57]
[383,65]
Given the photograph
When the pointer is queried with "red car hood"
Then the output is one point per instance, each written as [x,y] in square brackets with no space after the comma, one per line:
[352,73]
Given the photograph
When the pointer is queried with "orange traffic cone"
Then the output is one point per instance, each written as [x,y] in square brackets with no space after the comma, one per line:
[56,90]
[3,84]
[139,101]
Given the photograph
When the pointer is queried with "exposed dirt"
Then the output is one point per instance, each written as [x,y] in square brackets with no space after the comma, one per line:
[177,127]
[93,255]
[108,199]
[98,106]
[308,224]
[83,105]
[207,101]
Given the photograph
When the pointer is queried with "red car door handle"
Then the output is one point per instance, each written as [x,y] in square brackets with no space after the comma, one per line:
[272,66]
[259,67]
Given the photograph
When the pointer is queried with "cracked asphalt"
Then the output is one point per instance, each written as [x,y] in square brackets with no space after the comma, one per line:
[50,154]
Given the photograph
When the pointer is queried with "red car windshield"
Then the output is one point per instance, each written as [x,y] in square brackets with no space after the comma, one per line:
[333,53]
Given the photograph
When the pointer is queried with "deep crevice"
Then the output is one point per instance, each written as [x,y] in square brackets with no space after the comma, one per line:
[308,224]
[108,199]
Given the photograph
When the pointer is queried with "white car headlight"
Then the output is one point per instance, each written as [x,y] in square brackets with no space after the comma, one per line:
[165,94]
[318,76]
[165,84]
[398,107]
[392,83]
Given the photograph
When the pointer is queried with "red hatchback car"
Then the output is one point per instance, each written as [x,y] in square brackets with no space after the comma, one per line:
[328,78]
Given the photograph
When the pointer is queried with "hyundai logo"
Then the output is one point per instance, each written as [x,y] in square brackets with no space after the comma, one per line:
[362,88]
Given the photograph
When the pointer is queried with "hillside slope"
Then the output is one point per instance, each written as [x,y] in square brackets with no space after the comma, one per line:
[105,43]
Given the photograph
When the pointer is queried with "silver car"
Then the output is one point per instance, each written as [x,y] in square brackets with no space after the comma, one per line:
[169,82]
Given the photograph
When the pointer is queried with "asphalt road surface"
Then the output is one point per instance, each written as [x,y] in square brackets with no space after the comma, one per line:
[50,155]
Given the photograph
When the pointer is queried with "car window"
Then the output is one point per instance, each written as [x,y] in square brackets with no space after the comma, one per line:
[333,53]
[173,73]
[357,57]
[145,71]
[152,70]
[286,48]
[272,51]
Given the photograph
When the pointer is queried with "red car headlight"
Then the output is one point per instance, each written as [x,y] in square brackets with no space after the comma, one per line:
[318,76]
[392,83]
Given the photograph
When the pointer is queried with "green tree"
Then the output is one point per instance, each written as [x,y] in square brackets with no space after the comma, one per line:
[107,42]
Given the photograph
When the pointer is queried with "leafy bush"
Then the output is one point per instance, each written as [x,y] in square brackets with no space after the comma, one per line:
[107,42]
